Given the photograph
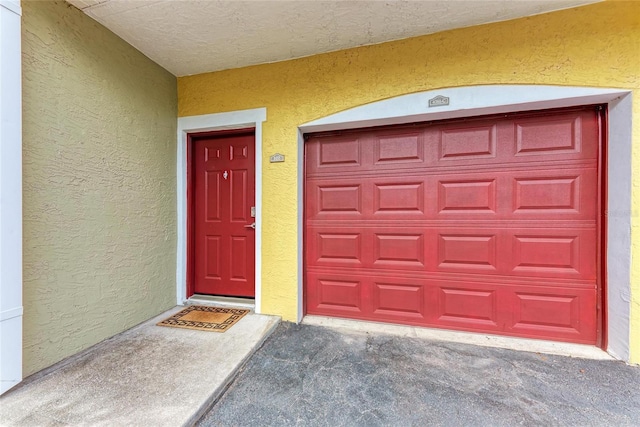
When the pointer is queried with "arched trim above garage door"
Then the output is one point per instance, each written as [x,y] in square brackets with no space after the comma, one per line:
[494,99]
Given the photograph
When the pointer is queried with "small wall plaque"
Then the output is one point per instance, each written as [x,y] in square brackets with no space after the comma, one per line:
[439,101]
[277,158]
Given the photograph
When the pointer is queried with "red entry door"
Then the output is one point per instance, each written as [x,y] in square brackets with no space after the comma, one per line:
[224,227]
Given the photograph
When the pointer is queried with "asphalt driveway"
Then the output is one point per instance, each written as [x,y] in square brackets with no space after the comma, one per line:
[313,376]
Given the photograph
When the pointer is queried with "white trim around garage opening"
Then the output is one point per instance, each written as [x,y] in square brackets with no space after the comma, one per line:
[211,122]
[10,195]
[494,99]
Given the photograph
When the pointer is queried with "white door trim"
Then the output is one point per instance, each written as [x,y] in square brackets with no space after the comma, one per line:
[212,122]
[10,195]
[491,99]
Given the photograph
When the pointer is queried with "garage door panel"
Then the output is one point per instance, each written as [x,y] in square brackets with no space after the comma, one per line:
[343,152]
[537,312]
[554,194]
[399,250]
[568,253]
[536,194]
[397,299]
[542,251]
[337,153]
[467,252]
[564,313]
[542,135]
[399,198]
[398,148]
[332,200]
[336,295]
[467,142]
[568,136]
[466,305]
[485,224]
[337,248]
[557,194]
[466,195]
[547,193]
[394,248]
[368,296]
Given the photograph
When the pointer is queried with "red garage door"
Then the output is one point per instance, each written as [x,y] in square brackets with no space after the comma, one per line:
[487,224]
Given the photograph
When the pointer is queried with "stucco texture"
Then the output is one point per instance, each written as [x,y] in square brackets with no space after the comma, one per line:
[99,184]
[596,46]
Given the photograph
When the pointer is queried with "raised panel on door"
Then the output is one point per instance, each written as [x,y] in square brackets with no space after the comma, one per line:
[339,153]
[334,200]
[563,313]
[562,253]
[468,305]
[337,295]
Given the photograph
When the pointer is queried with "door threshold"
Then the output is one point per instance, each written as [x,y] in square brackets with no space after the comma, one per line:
[249,303]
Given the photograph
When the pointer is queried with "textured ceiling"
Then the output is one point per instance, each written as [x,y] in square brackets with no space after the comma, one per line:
[196,36]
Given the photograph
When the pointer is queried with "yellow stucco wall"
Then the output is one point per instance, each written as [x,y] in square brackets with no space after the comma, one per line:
[597,46]
[99,186]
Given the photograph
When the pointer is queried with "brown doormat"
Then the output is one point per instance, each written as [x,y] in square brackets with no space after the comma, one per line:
[204,318]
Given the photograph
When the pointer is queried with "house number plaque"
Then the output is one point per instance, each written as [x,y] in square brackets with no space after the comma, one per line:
[277,158]
[439,101]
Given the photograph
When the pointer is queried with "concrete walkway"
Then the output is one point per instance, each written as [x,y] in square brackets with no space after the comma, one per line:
[307,375]
[147,376]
